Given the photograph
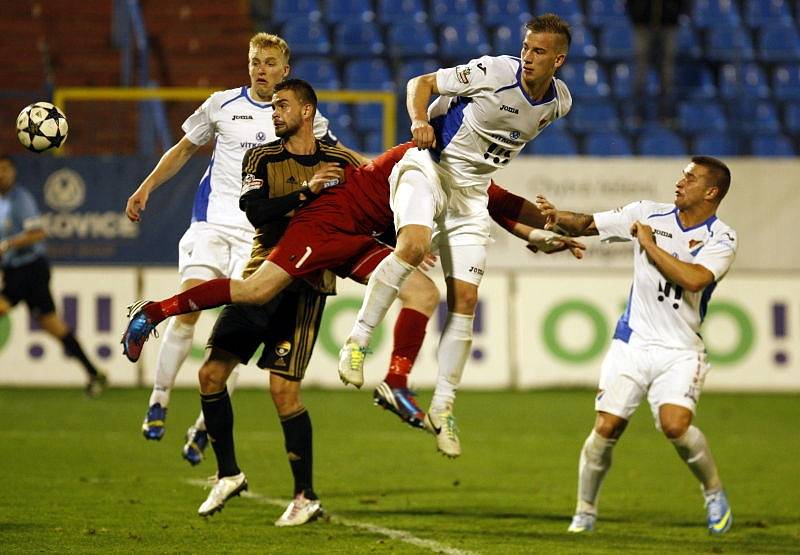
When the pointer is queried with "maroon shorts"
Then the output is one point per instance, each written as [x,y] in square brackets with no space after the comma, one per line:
[309,246]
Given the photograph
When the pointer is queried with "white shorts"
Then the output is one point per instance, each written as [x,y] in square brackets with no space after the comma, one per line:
[666,376]
[422,193]
[207,251]
[463,262]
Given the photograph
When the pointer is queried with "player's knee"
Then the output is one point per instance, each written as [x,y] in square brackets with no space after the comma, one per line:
[286,400]
[412,252]
[674,428]
[609,426]
[465,300]
[212,378]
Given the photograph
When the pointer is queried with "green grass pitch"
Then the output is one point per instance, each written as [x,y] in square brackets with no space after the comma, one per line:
[79,477]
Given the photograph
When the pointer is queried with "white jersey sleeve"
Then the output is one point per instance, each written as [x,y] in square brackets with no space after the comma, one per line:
[322,129]
[469,79]
[719,252]
[199,127]
[615,225]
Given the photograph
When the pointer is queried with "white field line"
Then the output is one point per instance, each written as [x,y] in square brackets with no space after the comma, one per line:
[400,535]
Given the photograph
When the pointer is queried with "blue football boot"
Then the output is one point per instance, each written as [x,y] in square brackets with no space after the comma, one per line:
[720,516]
[154,422]
[401,401]
[196,443]
[138,331]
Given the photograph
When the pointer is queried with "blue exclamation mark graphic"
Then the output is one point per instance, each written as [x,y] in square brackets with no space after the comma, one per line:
[70,315]
[103,313]
[477,326]
[35,350]
[779,328]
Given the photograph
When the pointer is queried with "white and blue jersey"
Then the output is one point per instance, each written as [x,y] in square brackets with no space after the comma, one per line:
[660,312]
[19,213]
[484,118]
[237,123]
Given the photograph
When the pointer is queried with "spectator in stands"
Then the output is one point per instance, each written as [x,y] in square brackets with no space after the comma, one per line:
[655,32]
[26,272]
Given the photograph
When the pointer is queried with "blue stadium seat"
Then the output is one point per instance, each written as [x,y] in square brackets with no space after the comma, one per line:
[349,138]
[767,13]
[694,81]
[779,44]
[338,114]
[623,79]
[507,40]
[372,74]
[716,143]
[450,11]
[368,117]
[413,68]
[461,41]
[373,142]
[696,116]
[568,9]
[791,117]
[407,39]
[284,10]
[338,11]
[320,72]
[552,142]
[786,82]
[754,116]
[357,39]
[616,42]
[659,141]
[706,13]
[743,81]
[607,143]
[729,43]
[585,79]
[395,11]
[771,144]
[307,38]
[505,12]
[605,12]
[688,39]
[588,117]
[583,43]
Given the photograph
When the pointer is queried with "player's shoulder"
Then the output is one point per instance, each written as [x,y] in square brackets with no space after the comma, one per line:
[723,232]
[335,153]
[266,152]
[654,209]
[563,95]
[223,98]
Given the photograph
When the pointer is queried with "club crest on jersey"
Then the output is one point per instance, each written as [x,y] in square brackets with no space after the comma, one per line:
[514,135]
[250,183]
[543,123]
[462,73]
[261,136]
[693,243]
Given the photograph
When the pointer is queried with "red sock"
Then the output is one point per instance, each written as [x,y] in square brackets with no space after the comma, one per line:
[209,294]
[409,331]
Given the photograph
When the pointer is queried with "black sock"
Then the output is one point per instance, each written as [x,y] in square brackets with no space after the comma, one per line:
[297,440]
[74,350]
[218,413]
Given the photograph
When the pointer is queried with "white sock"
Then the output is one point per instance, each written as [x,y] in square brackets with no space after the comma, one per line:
[200,422]
[692,447]
[382,289]
[594,463]
[175,347]
[454,348]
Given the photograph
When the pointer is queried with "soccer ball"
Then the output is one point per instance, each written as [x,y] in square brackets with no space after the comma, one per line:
[41,126]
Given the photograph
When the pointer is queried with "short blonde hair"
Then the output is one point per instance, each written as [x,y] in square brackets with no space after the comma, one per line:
[268,40]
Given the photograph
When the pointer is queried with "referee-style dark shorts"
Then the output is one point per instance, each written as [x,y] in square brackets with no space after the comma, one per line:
[30,283]
[287,327]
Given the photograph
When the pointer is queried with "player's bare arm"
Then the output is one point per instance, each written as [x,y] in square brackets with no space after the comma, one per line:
[22,240]
[692,277]
[169,164]
[568,223]
[419,91]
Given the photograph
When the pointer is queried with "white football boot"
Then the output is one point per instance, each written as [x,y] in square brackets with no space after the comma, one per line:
[300,511]
[223,489]
[442,424]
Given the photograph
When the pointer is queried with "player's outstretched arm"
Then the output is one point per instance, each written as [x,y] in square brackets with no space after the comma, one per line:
[169,164]
[22,240]
[568,223]
[418,92]
[692,277]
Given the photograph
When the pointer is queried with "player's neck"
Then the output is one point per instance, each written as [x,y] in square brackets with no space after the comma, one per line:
[301,143]
[694,216]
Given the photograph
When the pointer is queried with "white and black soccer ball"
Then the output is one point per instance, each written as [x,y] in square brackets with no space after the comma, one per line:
[41,126]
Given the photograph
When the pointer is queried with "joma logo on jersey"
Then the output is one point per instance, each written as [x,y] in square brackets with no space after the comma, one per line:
[666,234]
[476,270]
[511,109]
[241,117]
